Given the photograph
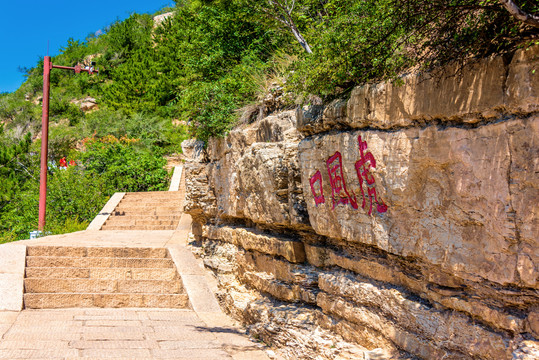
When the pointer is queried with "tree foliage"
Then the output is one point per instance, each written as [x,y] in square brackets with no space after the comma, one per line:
[360,41]
[76,194]
[123,166]
[13,167]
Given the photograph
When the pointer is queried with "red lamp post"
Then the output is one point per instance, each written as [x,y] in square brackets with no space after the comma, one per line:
[47,67]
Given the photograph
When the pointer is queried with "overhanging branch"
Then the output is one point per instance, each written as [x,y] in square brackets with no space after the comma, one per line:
[519,14]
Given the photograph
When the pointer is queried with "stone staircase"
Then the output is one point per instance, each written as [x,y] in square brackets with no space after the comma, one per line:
[62,277]
[154,210]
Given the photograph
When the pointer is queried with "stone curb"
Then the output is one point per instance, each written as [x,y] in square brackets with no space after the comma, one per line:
[104,214]
[176,178]
[12,263]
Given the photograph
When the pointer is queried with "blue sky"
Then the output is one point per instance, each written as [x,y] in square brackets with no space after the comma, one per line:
[26,26]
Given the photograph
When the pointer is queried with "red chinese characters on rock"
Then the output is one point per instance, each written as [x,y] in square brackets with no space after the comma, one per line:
[363,165]
[339,192]
[316,180]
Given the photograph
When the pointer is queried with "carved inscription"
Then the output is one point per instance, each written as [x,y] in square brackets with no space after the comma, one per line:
[317,189]
[363,165]
[339,192]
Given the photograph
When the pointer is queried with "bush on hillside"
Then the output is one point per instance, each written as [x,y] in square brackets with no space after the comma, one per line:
[76,194]
[123,166]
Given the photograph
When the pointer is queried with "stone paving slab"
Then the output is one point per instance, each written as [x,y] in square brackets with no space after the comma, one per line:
[37,354]
[8,317]
[107,344]
[105,238]
[122,333]
[112,353]
[34,345]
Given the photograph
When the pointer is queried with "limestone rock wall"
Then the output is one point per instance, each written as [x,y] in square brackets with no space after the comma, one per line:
[399,223]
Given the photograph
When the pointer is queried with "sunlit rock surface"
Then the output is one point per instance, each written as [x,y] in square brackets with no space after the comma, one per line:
[399,223]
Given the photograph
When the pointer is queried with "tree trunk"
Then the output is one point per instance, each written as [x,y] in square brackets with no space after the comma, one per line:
[301,39]
[287,20]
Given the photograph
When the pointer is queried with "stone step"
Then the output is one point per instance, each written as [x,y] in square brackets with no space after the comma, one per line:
[157,195]
[155,201]
[138,227]
[138,205]
[38,285]
[126,221]
[141,209]
[146,212]
[116,300]
[98,252]
[141,201]
[67,276]
[102,273]
[148,217]
[177,196]
[121,221]
[141,220]
[95,262]
[149,194]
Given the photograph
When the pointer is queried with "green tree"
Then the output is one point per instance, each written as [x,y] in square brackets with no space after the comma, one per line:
[124,167]
[13,167]
[136,84]
[211,49]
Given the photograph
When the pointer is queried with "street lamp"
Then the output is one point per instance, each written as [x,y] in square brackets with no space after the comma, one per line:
[47,67]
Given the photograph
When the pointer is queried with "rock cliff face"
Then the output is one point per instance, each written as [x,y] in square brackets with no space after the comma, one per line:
[400,223]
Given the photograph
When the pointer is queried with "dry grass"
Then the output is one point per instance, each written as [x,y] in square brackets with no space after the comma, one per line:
[281,63]
[266,83]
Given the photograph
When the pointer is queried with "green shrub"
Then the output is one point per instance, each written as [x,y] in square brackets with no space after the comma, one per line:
[123,166]
[7,236]
[150,129]
[14,163]
[74,198]
[75,194]
[69,226]
[20,215]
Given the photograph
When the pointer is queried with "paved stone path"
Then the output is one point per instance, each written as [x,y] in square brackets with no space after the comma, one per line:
[204,332]
[122,334]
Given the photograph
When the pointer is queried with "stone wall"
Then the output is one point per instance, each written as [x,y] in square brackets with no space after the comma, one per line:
[399,223]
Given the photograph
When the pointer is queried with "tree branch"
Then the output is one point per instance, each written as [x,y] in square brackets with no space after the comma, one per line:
[519,14]
[288,21]
[292,6]
[275,17]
